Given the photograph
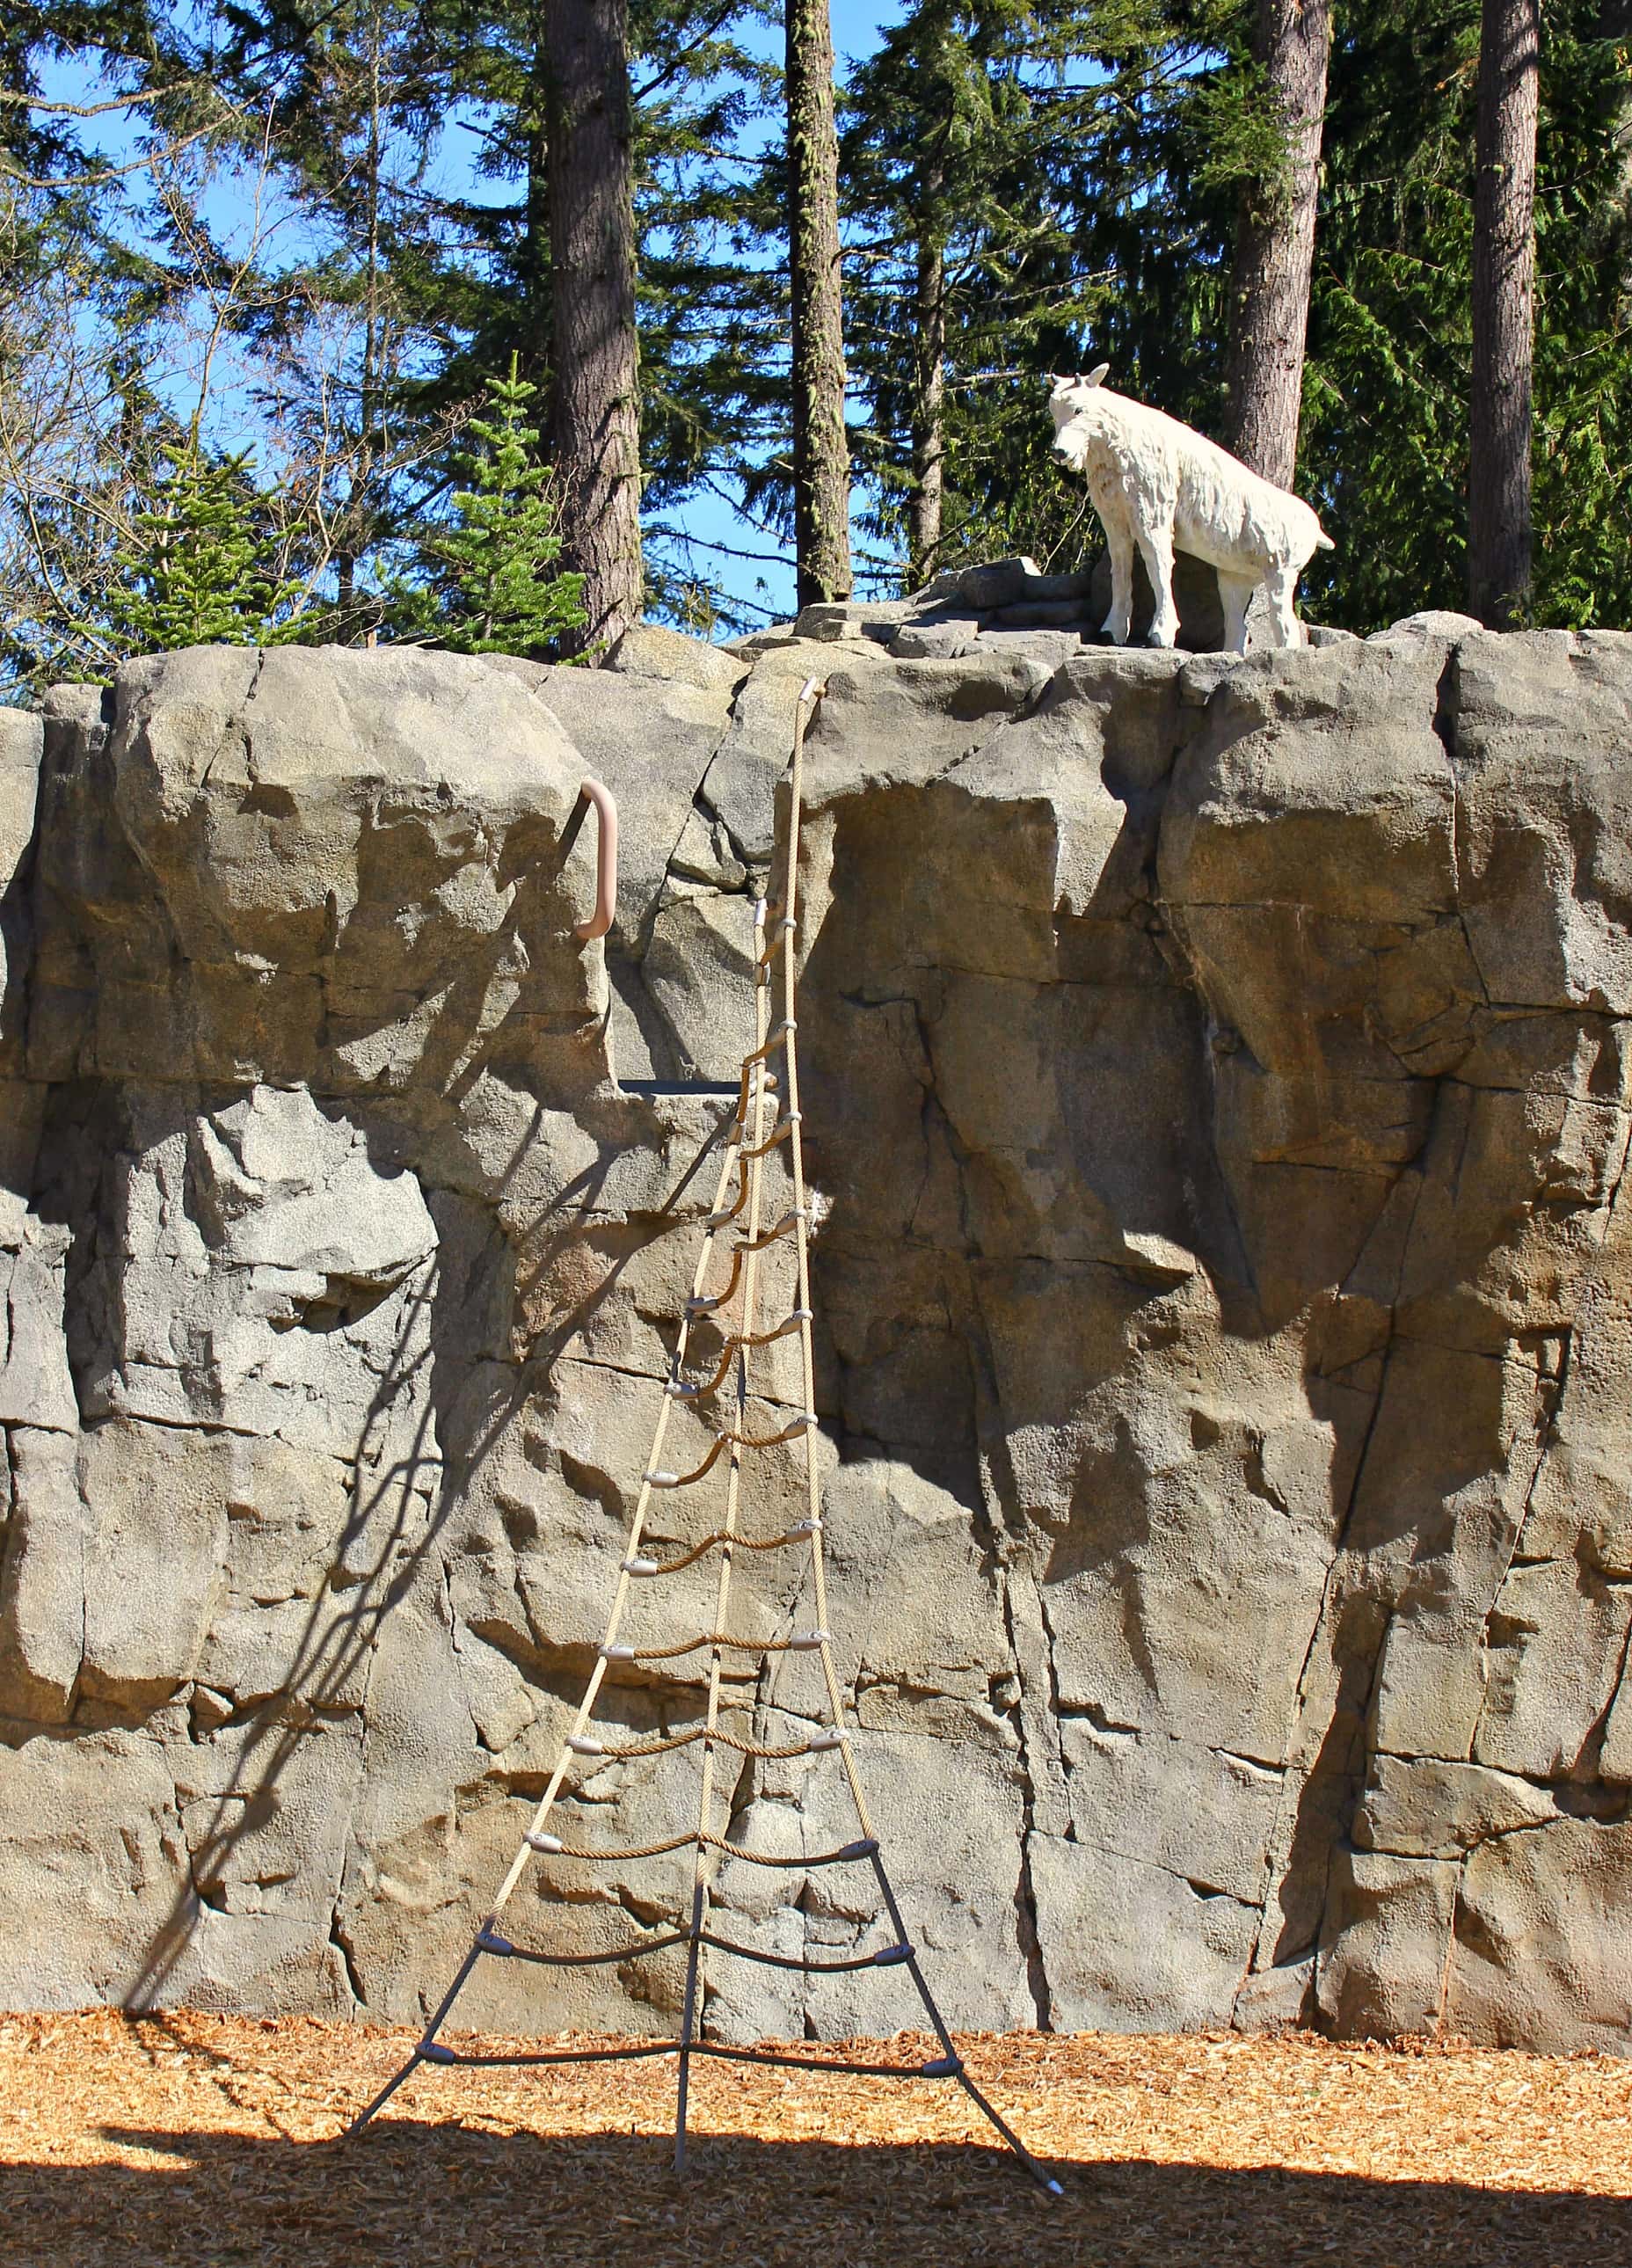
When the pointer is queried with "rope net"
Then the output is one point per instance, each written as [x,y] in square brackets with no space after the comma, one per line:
[765,1127]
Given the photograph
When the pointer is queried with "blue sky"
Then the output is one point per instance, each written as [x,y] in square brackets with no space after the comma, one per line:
[764,586]
[858,28]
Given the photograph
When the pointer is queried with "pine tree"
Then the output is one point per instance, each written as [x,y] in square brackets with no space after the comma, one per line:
[1015,208]
[195,567]
[1386,441]
[350,339]
[492,582]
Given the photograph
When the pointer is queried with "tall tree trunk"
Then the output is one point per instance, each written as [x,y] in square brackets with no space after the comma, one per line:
[591,244]
[1275,246]
[928,398]
[821,457]
[1504,264]
[532,253]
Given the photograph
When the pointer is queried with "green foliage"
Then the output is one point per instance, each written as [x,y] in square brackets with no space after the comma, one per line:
[1082,209]
[196,567]
[1383,450]
[1072,170]
[1088,216]
[491,582]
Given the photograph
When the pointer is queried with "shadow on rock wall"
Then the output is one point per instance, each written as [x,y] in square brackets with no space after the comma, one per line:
[1217,1069]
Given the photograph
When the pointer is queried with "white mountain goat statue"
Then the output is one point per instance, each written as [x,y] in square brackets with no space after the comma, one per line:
[1156,483]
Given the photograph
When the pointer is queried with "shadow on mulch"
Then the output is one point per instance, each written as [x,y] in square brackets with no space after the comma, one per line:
[444,2196]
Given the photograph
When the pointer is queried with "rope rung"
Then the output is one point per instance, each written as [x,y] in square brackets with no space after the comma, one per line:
[780,1132]
[506,1951]
[805,1421]
[819,1744]
[620,1858]
[848,1854]
[437,2053]
[798,1533]
[729,1212]
[682,1389]
[789,1219]
[782,1330]
[884,1959]
[801,1642]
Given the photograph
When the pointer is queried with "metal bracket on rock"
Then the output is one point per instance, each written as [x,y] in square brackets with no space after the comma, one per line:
[595,793]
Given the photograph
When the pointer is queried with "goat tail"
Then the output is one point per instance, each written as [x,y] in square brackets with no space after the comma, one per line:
[1323,542]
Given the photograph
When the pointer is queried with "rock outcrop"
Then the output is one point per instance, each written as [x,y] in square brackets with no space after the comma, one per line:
[1218,1071]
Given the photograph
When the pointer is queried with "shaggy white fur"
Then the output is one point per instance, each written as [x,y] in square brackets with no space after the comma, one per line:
[1156,483]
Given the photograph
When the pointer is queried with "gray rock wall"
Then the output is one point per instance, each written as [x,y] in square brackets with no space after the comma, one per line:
[1218,1072]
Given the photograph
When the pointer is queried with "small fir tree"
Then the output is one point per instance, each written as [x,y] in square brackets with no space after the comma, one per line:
[196,569]
[492,584]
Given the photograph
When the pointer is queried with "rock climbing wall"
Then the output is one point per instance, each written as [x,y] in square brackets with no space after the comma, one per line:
[1217,1069]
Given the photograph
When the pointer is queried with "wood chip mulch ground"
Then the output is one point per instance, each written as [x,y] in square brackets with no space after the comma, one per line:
[211,2142]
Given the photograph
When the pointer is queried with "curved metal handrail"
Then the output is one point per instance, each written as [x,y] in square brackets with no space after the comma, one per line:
[594,792]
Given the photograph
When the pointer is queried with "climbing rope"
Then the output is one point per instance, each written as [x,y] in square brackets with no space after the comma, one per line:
[767,1119]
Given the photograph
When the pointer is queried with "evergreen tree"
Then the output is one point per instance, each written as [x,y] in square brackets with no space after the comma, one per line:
[196,568]
[350,339]
[492,585]
[1385,442]
[1027,192]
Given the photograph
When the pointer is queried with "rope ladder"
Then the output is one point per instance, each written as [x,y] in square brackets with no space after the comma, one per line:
[765,1120]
